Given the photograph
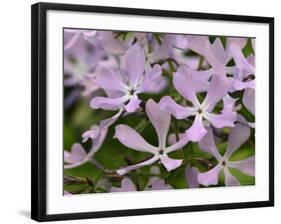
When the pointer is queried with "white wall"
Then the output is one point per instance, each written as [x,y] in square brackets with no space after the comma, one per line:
[15,110]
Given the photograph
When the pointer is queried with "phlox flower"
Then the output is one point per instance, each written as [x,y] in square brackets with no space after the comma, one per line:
[161,122]
[218,56]
[185,84]
[124,86]
[71,36]
[81,59]
[154,183]
[78,156]
[103,40]
[237,136]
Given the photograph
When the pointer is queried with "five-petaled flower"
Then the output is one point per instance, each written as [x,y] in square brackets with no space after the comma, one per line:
[161,122]
[123,86]
[185,84]
[237,136]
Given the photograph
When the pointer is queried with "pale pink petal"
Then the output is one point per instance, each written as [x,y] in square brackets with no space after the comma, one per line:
[132,139]
[170,164]
[71,41]
[172,139]
[153,81]
[184,83]
[133,104]
[191,174]
[246,166]
[109,80]
[242,120]
[237,136]
[89,33]
[249,100]
[240,42]
[184,139]
[157,86]
[251,59]
[201,80]
[219,87]
[240,60]
[96,143]
[109,121]
[178,111]
[202,46]
[160,119]
[228,104]
[181,41]
[108,103]
[158,184]
[111,44]
[229,179]
[91,134]
[77,154]
[197,131]
[216,64]
[225,119]
[210,177]
[126,185]
[219,51]
[127,169]
[198,43]
[133,64]
[207,144]
[89,85]
[239,85]
[164,50]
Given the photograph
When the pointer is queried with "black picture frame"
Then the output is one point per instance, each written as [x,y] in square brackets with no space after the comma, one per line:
[39,122]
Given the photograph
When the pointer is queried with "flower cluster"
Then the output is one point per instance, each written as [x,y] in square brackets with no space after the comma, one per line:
[157,111]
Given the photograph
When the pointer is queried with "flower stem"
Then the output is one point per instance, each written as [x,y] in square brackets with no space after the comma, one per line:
[201,62]
[203,161]
[178,138]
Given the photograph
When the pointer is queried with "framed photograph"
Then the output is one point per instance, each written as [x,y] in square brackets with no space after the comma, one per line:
[139,111]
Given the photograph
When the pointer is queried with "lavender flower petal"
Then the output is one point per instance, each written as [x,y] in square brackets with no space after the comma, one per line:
[246,166]
[184,139]
[237,136]
[184,84]
[160,120]
[170,164]
[133,104]
[225,119]
[77,154]
[240,60]
[109,80]
[191,174]
[178,111]
[125,170]
[133,64]
[219,87]
[211,177]
[126,185]
[207,144]
[197,130]
[229,179]
[108,103]
[249,100]
[132,139]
